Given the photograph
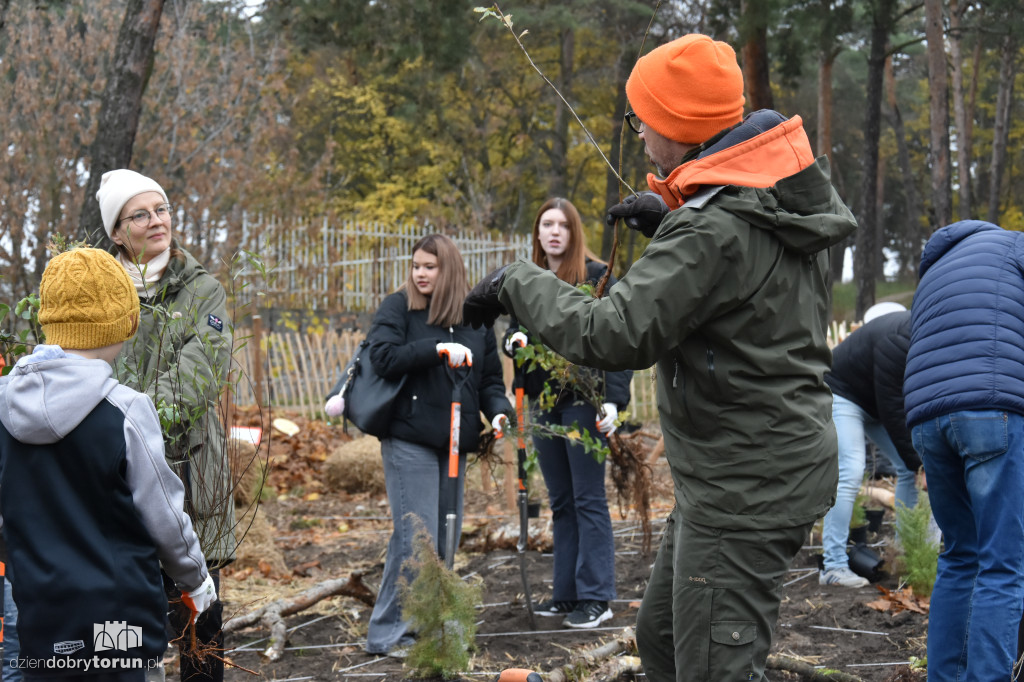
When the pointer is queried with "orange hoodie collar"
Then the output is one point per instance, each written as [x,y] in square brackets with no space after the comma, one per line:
[760,161]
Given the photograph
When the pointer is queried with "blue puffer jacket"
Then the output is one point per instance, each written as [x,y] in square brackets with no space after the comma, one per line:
[967,330]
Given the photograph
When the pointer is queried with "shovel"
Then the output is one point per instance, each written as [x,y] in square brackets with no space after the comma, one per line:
[521,494]
[452,532]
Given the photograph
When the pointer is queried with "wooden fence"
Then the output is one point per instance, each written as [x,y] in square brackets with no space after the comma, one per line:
[295,370]
[352,266]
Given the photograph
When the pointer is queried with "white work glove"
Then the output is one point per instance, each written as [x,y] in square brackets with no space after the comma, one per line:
[516,340]
[457,354]
[335,406]
[608,413]
[499,424]
[201,598]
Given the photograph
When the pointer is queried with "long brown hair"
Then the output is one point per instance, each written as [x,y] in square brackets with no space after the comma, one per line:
[450,288]
[574,262]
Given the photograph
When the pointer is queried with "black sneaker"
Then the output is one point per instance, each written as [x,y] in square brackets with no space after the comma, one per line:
[554,608]
[588,614]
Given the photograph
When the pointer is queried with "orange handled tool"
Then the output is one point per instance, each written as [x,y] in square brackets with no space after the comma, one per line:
[518,675]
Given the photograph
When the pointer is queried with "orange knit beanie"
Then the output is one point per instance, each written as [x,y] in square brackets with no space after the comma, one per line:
[687,90]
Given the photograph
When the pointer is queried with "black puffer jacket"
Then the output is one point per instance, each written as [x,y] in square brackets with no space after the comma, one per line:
[614,386]
[402,343]
[867,369]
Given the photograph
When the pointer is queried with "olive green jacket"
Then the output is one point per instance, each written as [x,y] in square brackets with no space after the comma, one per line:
[180,357]
[731,300]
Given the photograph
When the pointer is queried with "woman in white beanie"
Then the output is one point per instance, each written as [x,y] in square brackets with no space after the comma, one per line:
[180,357]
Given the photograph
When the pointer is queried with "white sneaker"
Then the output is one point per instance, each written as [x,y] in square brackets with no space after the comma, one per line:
[842,576]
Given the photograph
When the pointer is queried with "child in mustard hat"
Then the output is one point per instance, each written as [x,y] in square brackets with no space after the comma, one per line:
[90,509]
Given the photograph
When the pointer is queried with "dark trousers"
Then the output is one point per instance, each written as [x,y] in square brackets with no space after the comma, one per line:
[712,601]
[581,524]
[208,633]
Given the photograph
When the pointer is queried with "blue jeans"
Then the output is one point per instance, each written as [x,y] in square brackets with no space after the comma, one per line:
[11,646]
[580,522]
[418,488]
[852,425]
[975,466]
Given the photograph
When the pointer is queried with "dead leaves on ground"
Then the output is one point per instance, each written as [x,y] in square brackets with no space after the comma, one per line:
[894,601]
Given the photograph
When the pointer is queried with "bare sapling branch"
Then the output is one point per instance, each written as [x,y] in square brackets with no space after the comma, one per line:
[506,20]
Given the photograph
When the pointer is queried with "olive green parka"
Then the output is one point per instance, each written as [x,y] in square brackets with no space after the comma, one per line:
[731,299]
[180,357]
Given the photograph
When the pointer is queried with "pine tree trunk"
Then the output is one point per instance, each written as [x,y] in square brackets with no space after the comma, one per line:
[938,87]
[963,125]
[914,211]
[1001,130]
[559,180]
[756,74]
[122,103]
[865,256]
[611,189]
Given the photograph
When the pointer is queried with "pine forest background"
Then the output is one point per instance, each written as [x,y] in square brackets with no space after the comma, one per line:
[275,121]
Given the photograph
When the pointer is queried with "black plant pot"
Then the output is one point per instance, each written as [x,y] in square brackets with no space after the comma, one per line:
[859,535]
[874,517]
[864,562]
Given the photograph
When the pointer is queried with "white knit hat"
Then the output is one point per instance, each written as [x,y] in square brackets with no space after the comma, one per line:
[883,308]
[116,188]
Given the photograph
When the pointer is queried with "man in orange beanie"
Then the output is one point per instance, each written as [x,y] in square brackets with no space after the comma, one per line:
[731,299]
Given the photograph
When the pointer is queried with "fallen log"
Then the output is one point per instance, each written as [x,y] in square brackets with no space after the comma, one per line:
[594,656]
[797,666]
[272,615]
[880,495]
[506,536]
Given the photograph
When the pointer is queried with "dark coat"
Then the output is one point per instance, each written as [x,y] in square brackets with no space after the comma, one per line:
[613,386]
[402,343]
[867,369]
[967,334]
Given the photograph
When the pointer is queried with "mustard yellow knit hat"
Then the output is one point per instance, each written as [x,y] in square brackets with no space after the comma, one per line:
[87,300]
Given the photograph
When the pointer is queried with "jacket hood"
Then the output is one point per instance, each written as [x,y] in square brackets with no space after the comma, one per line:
[795,198]
[949,236]
[49,393]
[758,158]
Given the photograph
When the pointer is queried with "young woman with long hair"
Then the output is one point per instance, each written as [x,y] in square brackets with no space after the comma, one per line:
[416,332]
[584,565]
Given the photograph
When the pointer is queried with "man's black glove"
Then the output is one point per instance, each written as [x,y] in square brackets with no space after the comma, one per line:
[641,212]
[482,306]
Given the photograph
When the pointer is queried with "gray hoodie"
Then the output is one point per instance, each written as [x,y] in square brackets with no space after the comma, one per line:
[49,393]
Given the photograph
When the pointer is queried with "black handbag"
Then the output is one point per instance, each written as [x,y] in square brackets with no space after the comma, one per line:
[369,397]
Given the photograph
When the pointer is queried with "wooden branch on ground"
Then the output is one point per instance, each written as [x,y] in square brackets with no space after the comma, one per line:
[880,495]
[595,656]
[506,536]
[657,451]
[272,615]
[797,666]
[617,668]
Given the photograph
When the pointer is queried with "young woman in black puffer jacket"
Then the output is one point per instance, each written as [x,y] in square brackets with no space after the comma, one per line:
[416,332]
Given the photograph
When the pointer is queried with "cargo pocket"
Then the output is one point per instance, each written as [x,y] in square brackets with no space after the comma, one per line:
[733,632]
[732,647]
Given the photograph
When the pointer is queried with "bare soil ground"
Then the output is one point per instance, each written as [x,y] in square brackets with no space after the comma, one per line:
[326,534]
